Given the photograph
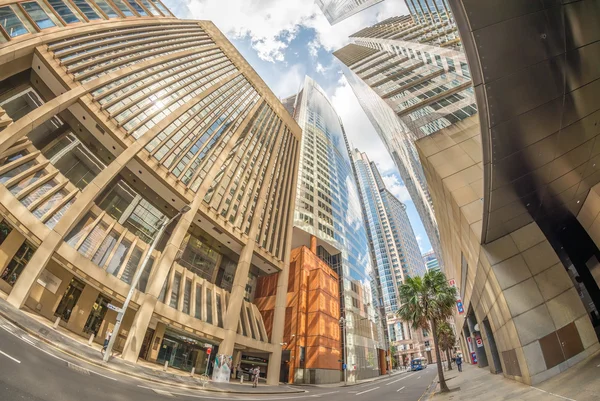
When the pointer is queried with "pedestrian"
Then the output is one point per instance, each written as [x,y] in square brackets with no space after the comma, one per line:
[458,360]
[256,374]
[106,341]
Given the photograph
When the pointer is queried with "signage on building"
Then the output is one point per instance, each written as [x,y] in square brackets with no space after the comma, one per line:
[208,351]
[474,357]
[112,307]
[459,306]
[49,281]
[344,366]
[479,342]
[452,282]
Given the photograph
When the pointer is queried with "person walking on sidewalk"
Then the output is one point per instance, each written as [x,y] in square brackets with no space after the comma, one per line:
[256,374]
[106,341]
[459,362]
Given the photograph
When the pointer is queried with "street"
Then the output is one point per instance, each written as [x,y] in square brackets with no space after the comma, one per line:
[31,370]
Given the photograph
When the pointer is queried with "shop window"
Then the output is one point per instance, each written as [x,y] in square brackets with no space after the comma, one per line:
[69,300]
[96,317]
[39,16]
[11,23]
[17,264]
[5,229]
[175,291]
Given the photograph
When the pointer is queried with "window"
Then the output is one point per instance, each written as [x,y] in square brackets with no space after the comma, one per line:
[18,263]
[64,11]
[38,15]
[198,312]
[209,306]
[187,294]
[175,291]
[123,8]
[11,23]
[106,9]
[86,9]
[464,270]
[5,229]
[137,8]
[145,275]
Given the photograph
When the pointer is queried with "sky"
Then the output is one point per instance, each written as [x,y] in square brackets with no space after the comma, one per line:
[284,40]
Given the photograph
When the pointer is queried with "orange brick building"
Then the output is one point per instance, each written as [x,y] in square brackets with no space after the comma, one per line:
[312,335]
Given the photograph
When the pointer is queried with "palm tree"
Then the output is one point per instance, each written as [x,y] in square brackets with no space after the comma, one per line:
[446,339]
[425,303]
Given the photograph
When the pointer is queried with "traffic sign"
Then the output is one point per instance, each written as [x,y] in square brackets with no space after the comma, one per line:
[344,366]
[115,308]
[459,306]
[479,342]
[208,351]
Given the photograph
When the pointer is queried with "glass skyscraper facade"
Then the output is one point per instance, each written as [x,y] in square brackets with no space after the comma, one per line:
[338,10]
[412,80]
[328,206]
[395,245]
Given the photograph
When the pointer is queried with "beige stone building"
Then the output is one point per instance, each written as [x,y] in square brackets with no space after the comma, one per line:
[114,115]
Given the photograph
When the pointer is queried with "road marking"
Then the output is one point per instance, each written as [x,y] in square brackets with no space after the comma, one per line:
[322,394]
[556,395]
[10,357]
[419,377]
[225,396]
[162,392]
[28,341]
[400,389]
[100,374]
[405,377]
[5,327]
[366,391]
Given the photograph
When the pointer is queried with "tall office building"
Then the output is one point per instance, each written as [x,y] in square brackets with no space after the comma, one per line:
[338,10]
[395,246]
[328,212]
[412,80]
[396,255]
[115,116]
[431,262]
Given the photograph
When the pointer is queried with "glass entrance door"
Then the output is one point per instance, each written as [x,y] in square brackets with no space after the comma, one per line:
[96,317]
[69,300]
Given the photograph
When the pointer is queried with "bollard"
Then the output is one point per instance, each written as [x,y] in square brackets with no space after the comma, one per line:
[91,340]
[56,322]
[242,378]
[193,371]
[166,365]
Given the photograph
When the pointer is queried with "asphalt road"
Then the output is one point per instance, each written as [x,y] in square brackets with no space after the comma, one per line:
[33,371]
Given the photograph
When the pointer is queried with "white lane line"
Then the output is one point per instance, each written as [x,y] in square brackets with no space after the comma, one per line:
[322,394]
[405,377]
[5,327]
[10,357]
[556,395]
[28,341]
[227,396]
[100,374]
[366,391]
[34,346]
[400,389]
[419,377]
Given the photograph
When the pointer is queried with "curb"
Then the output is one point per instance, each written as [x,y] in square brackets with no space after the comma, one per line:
[429,391]
[346,385]
[131,374]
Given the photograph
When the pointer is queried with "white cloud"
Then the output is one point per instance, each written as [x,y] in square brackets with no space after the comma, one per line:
[320,69]
[272,24]
[290,81]
[420,242]
[396,187]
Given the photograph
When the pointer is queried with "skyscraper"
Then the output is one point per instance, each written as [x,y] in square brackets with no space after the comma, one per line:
[431,261]
[114,116]
[412,80]
[328,208]
[338,10]
[394,243]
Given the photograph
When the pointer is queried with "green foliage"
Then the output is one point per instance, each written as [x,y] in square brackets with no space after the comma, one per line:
[446,336]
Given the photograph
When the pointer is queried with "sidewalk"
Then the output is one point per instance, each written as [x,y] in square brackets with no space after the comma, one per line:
[77,347]
[580,383]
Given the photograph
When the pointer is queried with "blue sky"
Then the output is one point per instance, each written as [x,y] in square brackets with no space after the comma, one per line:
[284,40]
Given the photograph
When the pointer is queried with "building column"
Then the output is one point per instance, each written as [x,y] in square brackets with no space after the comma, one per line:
[140,323]
[313,244]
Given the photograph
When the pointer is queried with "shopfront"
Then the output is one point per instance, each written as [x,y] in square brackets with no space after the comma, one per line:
[184,352]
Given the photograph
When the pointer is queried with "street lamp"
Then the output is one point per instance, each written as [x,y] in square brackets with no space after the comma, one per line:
[343,324]
[136,279]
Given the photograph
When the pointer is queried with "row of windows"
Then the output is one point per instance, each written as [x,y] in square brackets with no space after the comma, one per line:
[53,13]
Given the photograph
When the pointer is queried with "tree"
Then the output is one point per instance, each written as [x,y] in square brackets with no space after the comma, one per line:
[446,339]
[425,303]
